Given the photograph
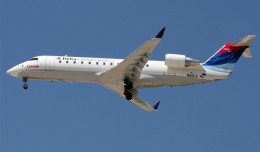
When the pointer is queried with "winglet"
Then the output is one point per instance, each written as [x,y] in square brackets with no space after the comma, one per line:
[160,34]
[156,105]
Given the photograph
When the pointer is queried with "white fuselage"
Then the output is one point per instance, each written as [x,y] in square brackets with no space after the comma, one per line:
[83,69]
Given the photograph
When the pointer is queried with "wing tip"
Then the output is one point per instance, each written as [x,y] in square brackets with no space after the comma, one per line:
[156,105]
[160,34]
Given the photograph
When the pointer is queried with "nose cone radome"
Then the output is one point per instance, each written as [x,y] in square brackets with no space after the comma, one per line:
[14,71]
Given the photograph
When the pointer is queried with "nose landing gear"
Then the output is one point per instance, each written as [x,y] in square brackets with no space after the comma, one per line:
[25,86]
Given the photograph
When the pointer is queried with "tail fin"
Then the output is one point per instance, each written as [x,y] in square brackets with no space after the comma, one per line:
[228,55]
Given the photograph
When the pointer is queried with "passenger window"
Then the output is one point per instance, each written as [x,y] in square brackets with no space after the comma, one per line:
[147,65]
[59,61]
[67,61]
[96,63]
[104,63]
[82,62]
[111,63]
[74,62]
[89,62]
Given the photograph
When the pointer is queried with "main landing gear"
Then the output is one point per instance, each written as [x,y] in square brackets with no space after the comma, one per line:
[128,86]
[25,86]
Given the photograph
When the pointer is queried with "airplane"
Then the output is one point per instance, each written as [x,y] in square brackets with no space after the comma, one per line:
[126,76]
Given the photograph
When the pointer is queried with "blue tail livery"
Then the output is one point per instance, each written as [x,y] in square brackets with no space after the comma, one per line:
[228,55]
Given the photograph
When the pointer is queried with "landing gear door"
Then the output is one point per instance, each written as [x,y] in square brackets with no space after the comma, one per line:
[49,63]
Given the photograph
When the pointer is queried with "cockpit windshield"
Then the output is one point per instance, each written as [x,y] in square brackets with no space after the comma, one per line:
[33,59]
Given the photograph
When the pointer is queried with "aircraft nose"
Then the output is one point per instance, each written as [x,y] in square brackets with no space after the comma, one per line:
[14,71]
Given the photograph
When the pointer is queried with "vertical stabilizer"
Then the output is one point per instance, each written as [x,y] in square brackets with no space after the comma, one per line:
[228,55]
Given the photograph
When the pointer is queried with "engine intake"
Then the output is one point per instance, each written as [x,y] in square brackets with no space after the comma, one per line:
[179,61]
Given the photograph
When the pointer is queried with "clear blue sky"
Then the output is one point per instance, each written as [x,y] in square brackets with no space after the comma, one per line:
[50,117]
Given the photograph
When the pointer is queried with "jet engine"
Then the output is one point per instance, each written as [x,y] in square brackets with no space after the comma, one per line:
[179,61]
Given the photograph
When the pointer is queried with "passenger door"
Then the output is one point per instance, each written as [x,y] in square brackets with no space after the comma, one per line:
[49,63]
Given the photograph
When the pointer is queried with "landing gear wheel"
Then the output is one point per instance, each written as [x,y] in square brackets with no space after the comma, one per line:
[128,96]
[128,84]
[25,86]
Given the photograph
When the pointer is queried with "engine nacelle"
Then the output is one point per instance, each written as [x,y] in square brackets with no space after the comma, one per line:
[179,61]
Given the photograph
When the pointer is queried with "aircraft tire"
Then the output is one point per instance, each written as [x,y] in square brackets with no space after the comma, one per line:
[25,86]
[128,96]
[128,86]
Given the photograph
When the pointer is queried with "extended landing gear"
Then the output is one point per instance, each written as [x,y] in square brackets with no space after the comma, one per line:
[128,86]
[25,86]
[128,95]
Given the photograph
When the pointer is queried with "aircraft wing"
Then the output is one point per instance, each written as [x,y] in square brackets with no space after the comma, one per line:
[119,89]
[130,68]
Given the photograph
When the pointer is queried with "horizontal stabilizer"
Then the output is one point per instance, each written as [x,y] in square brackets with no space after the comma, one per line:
[244,41]
[247,53]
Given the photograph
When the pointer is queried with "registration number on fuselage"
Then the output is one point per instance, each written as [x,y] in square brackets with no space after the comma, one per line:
[192,75]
